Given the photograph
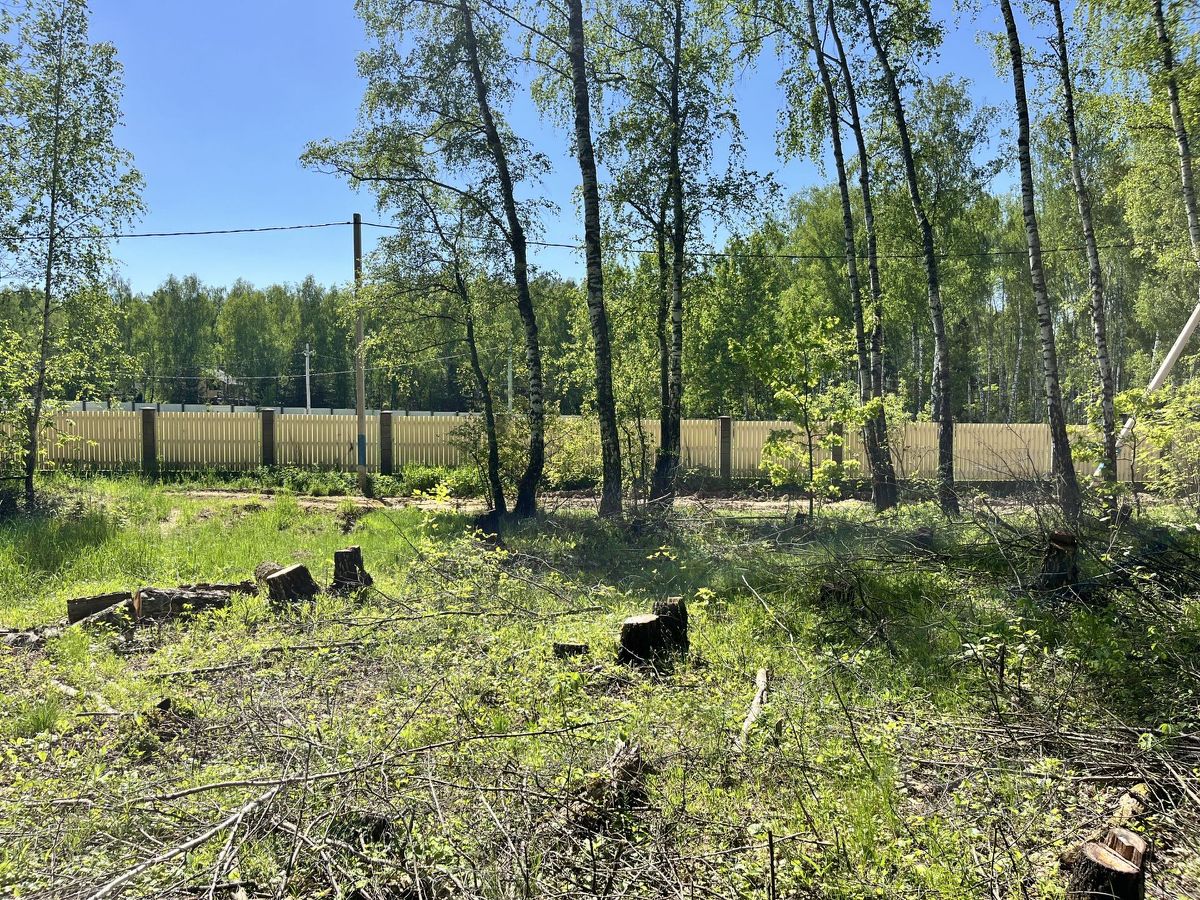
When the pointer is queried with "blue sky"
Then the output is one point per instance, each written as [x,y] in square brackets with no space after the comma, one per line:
[222,96]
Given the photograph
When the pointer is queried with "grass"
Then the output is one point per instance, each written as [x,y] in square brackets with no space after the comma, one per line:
[929,730]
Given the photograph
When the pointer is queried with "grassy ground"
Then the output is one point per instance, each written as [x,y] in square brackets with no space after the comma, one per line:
[930,729]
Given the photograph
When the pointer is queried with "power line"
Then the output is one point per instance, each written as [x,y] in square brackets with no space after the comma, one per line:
[816,257]
[167,234]
[560,245]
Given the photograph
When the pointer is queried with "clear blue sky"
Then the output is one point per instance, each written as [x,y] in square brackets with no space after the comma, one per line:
[222,96]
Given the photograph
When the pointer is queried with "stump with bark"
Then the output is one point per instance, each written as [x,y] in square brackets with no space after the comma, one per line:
[565,649]
[1114,868]
[1060,563]
[158,604]
[349,574]
[673,612]
[292,585]
[653,639]
[644,640]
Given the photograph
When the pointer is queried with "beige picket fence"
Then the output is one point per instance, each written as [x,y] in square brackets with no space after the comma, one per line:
[112,440]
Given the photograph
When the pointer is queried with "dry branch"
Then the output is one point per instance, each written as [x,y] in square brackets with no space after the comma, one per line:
[756,708]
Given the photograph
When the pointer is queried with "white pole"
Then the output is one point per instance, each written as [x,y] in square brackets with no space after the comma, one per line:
[307,378]
[1160,377]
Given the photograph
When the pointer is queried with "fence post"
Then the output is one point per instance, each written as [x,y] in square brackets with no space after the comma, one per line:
[150,441]
[386,459]
[268,436]
[725,448]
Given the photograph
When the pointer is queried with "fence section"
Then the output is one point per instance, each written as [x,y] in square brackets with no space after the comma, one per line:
[112,439]
[202,440]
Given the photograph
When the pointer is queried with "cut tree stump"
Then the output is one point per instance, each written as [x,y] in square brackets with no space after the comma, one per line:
[1101,871]
[82,607]
[349,574]
[1060,564]
[564,650]
[291,585]
[619,787]
[1128,844]
[644,640]
[673,612]
[169,603]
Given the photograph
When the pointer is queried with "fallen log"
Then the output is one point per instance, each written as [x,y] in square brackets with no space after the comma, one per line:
[80,608]
[158,604]
[291,585]
[349,573]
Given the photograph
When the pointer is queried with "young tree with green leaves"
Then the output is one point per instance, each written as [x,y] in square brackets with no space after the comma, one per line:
[71,183]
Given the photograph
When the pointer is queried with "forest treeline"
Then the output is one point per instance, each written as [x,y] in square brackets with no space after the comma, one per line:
[960,262]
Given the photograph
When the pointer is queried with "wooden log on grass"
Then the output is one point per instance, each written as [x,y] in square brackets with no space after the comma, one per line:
[291,585]
[158,604]
[349,573]
[80,608]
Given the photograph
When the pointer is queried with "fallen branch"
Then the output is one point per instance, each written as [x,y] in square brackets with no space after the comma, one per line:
[756,708]
[166,856]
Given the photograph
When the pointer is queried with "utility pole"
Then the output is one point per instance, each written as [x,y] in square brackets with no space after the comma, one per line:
[307,377]
[360,378]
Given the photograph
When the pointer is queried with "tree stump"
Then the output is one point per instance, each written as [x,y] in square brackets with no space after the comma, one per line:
[1128,844]
[291,585]
[1102,872]
[262,572]
[565,650]
[645,639]
[1060,564]
[349,574]
[673,612]
[169,603]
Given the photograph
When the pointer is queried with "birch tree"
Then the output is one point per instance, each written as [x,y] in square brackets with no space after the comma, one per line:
[1063,465]
[71,184]
[912,28]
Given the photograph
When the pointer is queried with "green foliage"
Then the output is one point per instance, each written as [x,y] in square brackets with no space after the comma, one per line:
[1167,442]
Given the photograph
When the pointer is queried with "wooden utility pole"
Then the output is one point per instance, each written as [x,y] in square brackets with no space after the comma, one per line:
[307,377]
[360,378]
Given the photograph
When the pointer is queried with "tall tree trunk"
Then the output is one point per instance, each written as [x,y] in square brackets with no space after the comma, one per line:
[606,409]
[885,491]
[531,478]
[38,400]
[1186,174]
[943,411]
[1095,273]
[1064,467]
[495,485]
[667,462]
